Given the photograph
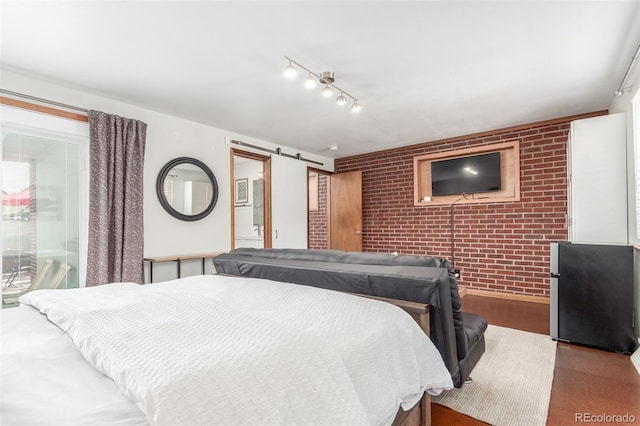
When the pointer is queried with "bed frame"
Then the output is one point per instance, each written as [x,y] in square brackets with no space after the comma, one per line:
[420,414]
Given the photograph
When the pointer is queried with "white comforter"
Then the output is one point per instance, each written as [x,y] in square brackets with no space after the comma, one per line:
[215,350]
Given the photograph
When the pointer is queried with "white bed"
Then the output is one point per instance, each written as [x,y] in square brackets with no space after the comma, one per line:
[211,350]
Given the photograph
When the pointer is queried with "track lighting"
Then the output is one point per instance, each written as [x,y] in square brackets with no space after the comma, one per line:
[310,82]
[290,71]
[326,78]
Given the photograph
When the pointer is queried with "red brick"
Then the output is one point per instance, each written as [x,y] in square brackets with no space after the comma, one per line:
[499,247]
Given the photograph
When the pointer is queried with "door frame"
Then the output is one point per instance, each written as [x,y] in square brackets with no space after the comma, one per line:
[266,162]
[329,203]
[328,175]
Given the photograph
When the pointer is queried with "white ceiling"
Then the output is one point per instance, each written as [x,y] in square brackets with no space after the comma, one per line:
[423,70]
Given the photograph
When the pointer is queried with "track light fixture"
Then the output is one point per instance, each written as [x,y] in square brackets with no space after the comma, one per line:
[290,71]
[310,82]
[325,78]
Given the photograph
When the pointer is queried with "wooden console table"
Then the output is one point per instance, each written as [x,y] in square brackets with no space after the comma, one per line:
[178,259]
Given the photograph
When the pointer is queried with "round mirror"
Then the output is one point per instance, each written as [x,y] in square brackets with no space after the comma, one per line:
[187,188]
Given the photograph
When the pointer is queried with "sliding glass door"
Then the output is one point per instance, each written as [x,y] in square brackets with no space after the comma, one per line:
[43,206]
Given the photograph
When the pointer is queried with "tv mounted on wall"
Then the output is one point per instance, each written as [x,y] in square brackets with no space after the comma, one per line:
[466,175]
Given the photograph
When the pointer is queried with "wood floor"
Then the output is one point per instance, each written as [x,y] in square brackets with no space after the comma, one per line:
[587,382]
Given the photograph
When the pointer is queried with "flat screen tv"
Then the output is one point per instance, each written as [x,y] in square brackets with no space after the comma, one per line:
[466,175]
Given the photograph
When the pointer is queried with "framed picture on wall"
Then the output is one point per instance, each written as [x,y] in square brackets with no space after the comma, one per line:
[242,191]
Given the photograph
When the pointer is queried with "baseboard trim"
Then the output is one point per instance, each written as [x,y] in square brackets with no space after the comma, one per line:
[510,296]
[462,291]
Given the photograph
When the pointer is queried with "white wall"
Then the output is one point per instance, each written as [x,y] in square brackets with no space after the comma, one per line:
[623,104]
[168,137]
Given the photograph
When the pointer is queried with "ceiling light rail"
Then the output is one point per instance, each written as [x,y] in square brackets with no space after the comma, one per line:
[326,78]
[277,151]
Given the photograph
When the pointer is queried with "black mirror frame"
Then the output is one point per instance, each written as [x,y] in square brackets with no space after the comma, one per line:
[163,199]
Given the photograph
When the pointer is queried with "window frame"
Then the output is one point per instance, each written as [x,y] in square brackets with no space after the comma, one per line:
[42,122]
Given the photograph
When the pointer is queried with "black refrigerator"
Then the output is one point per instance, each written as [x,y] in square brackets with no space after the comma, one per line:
[592,295]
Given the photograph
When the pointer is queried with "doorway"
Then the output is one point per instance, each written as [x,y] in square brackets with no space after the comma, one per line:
[250,200]
[44,204]
[335,210]
[318,183]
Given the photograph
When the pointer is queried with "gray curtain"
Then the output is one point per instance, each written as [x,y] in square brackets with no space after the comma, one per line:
[116,235]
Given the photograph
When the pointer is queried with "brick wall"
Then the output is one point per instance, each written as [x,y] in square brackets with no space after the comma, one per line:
[501,247]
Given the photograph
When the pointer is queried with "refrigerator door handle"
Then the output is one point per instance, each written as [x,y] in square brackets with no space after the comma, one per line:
[553,290]
[553,309]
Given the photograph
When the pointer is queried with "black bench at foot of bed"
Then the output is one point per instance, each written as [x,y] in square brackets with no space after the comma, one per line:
[459,336]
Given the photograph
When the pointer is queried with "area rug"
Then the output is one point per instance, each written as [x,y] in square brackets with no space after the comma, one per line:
[511,382]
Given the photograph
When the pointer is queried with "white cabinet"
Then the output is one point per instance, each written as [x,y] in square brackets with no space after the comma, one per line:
[255,242]
[597,177]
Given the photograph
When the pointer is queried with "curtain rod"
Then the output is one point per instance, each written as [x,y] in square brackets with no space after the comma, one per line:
[46,101]
[634,58]
[59,104]
[277,151]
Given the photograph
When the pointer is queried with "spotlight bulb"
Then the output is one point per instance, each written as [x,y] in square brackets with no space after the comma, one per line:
[310,82]
[327,92]
[356,107]
[341,100]
[290,71]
